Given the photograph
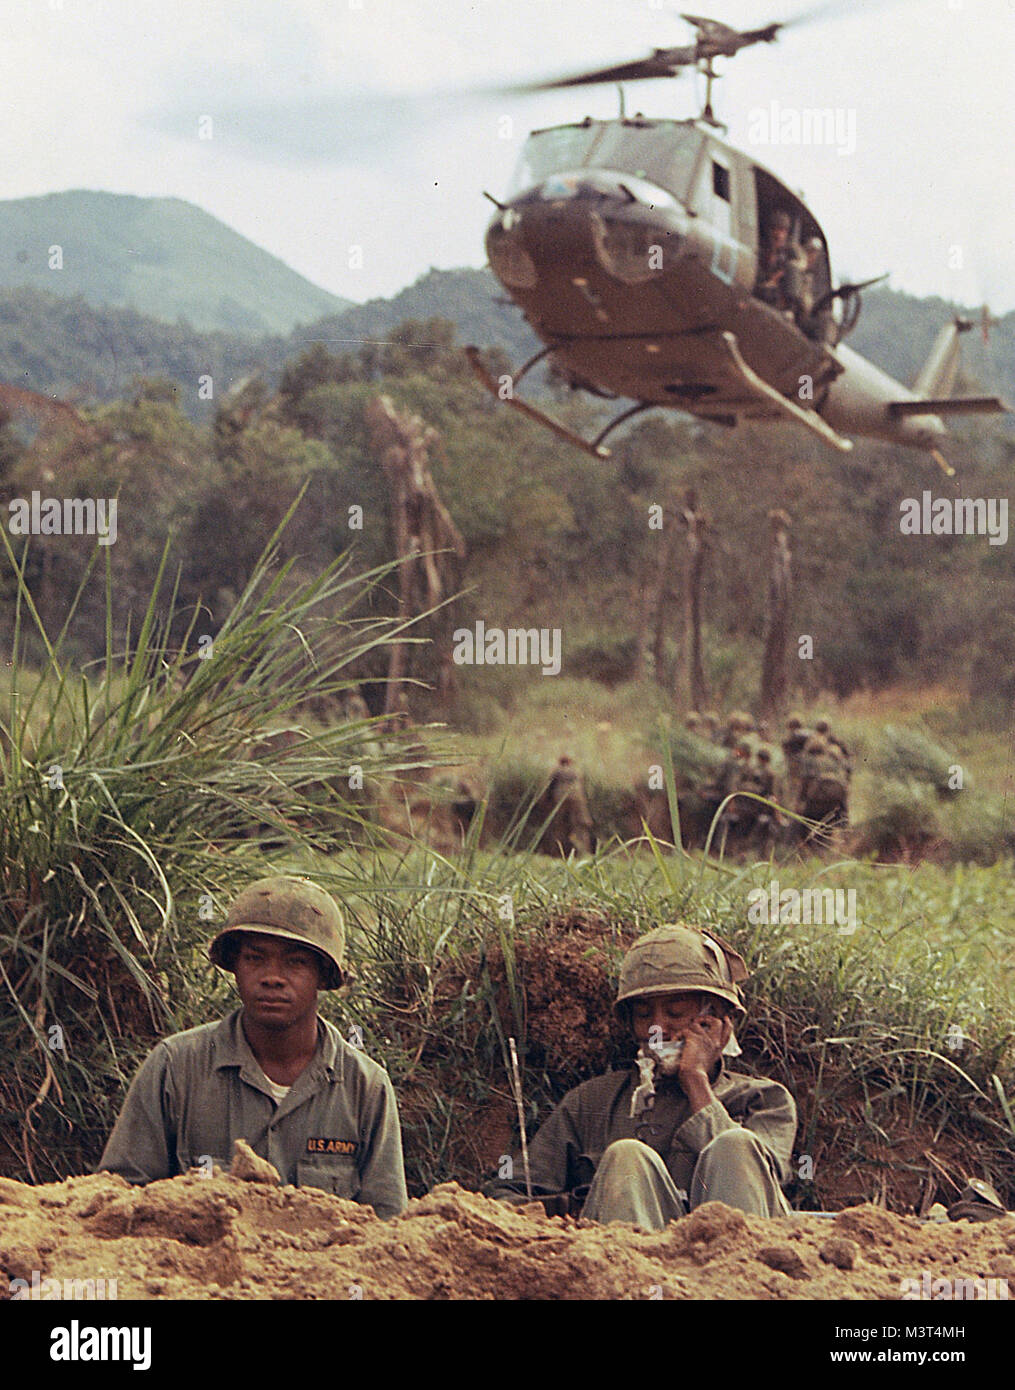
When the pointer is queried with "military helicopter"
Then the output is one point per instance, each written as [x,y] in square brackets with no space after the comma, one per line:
[660,264]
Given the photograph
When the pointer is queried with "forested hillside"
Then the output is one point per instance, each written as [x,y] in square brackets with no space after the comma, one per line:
[554,538]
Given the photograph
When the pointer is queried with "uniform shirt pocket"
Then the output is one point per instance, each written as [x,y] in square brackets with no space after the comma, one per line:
[334,1173]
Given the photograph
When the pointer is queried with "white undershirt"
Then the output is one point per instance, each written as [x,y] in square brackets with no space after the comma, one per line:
[278,1093]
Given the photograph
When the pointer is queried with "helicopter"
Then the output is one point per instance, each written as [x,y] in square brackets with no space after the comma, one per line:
[660,264]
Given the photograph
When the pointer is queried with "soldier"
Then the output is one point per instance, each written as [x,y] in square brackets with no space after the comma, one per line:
[767,821]
[572,827]
[793,746]
[465,804]
[272,1072]
[766,772]
[741,774]
[739,723]
[712,729]
[813,280]
[781,265]
[824,787]
[693,723]
[651,1142]
[835,744]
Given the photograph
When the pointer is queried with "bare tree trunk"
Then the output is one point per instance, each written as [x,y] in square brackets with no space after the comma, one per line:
[427,541]
[653,597]
[780,585]
[697,549]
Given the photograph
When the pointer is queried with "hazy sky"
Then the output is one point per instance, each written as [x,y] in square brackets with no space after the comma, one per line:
[335,123]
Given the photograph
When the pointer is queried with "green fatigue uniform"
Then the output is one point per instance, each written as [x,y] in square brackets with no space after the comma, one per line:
[793,746]
[736,1150]
[766,773]
[836,747]
[336,1128]
[648,1159]
[824,786]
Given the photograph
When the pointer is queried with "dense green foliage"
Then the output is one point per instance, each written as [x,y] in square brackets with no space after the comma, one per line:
[555,539]
[134,801]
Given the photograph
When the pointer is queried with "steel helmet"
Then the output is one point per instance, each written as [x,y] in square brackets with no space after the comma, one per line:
[675,960]
[294,909]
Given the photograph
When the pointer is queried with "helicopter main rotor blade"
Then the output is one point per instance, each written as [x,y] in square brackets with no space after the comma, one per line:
[831,9]
[714,40]
[664,62]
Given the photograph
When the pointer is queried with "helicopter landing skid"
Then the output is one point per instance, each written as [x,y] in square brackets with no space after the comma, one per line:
[541,418]
[810,418]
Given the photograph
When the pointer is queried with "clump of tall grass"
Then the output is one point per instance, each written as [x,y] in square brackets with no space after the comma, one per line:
[907,754]
[696,760]
[894,1032]
[904,818]
[132,801]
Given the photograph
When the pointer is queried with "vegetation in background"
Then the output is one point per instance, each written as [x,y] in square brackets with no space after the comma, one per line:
[135,799]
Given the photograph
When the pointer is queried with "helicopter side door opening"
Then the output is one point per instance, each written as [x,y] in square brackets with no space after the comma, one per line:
[794,275]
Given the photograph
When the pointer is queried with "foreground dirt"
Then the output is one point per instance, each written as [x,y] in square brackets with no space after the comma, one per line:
[226,1237]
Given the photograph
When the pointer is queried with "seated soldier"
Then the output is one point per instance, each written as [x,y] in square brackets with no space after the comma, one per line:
[272,1072]
[653,1141]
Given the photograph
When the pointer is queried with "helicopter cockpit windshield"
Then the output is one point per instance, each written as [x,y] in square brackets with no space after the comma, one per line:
[664,152]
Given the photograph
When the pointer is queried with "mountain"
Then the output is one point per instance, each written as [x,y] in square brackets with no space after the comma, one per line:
[163,257]
[471,299]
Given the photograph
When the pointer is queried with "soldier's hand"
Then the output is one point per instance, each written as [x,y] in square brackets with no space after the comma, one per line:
[704,1040]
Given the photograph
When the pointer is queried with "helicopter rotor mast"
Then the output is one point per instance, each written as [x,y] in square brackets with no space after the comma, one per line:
[713,40]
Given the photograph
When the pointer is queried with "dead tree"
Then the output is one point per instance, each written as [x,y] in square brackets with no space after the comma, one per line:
[780,583]
[427,542]
[656,594]
[697,550]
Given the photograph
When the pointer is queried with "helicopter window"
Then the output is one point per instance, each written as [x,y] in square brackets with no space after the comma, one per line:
[663,153]
[720,181]
[552,151]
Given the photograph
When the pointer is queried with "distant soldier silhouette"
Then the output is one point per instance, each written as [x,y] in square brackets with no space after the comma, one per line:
[824,788]
[738,724]
[571,827]
[741,774]
[766,772]
[464,805]
[835,744]
[793,746]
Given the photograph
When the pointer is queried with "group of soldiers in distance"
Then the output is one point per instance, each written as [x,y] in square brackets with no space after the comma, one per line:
[813,782]
[753,799]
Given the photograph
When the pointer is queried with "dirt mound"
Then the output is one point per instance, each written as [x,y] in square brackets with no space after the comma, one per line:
[227,1237]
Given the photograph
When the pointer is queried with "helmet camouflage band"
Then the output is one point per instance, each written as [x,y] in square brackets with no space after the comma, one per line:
[682,960]
[294,909]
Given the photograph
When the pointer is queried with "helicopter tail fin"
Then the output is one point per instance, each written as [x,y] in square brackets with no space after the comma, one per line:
[937,377]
